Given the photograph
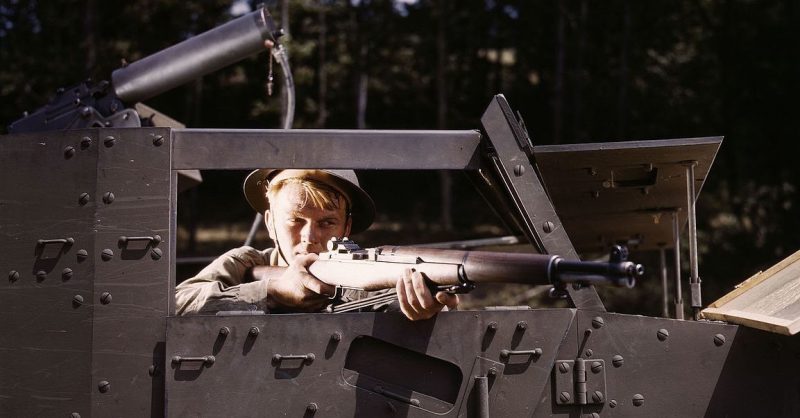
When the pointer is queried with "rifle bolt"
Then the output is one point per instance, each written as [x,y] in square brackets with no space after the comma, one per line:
[662,334]
[69,152]
[519,170]
[109,141]
[548,227]
[84,198]
[13,276]
[719,340]
[617,360]
[638,400]
[107,254]
[598,322]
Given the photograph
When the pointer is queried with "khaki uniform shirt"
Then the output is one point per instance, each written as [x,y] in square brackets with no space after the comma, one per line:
[220,287]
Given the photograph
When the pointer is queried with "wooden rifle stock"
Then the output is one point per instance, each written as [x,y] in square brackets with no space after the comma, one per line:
[347,265]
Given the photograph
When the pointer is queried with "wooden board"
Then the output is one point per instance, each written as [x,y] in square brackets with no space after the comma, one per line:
[770,300]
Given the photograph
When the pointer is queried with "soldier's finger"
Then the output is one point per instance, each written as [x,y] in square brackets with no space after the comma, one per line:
[411,294]
[316,285]
[423,295]
[448,299]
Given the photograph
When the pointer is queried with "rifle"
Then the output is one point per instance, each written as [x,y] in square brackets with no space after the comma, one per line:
[346,265]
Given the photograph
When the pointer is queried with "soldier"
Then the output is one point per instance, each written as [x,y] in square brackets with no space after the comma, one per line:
[303,210]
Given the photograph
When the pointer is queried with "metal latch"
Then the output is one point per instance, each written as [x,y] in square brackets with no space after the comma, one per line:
[580,382]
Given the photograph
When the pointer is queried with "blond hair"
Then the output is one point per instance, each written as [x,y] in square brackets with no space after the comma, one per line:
[321,195]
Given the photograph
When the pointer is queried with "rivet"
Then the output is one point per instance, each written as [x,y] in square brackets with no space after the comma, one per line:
[662,334]
[719,340]
[66,274]
[587,332]
[617,360]
[104,386]
[41,275]
[638,400]
[597,322]
[105,298]
[84,198]
[224,331]
[492,326]
[312,407]
[588,352]
[336,336]
[548,227]
[106,254]
[564,397]
[158,140]
[109,141]
[77,300]
[492,372]
[563,367]
[597,367]
[522,325]
[86,142]
[519,170]
[151,370]
[108,198]
[13,276]
[612,403]
[82,255]
[254,331]
[155,253]
[69,152]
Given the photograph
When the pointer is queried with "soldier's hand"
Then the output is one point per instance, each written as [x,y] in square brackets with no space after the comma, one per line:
[296,290]
[416,300]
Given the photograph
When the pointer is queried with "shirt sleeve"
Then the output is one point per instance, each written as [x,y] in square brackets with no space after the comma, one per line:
[219,286]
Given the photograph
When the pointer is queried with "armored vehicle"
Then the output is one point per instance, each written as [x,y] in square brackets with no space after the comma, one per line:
[88,201]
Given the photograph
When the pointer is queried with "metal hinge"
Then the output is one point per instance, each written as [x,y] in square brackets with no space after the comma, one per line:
[579,382]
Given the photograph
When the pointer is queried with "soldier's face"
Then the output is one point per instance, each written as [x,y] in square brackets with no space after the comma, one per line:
[299,226]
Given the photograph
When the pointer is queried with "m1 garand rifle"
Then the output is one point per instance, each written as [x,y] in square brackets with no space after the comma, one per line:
[347,266]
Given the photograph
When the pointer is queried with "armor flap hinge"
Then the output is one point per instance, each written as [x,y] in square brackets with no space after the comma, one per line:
[579,382]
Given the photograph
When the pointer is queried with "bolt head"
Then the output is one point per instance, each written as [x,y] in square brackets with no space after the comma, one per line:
[108,198]
[492,326]
[638,400]
[224,331]
[519,170]
[548,227]
[312,407]
[564,397]
[107,254]
[13,276]
[41,275]
[84,198]
[69,152]
[563,367]
[82,255]
[105,298]
[597,367]
[597,322]
[612,403]
[155,253]
[662,334]
[588,352]
[86,142]
[66,274]
[719,340]
[336,336]
[254,331]
[522,325]
[109,141]
[77,300]
[158,140]
[617,360]
[104,386]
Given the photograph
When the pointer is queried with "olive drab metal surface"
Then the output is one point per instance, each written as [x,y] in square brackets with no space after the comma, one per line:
[85,223]
[87,235]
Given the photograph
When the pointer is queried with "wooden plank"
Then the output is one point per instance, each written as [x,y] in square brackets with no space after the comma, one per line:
[769,300]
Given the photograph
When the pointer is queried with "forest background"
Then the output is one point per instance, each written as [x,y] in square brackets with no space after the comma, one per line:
[577,70]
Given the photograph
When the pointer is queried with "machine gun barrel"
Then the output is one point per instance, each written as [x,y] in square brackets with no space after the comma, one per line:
[194,57]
